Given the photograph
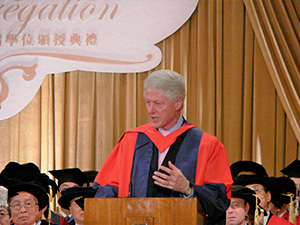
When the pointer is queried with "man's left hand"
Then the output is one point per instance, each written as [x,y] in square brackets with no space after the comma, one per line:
[174,179]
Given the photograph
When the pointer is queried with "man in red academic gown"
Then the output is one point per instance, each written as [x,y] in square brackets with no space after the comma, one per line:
[266,189]
[194,163]
[292,171]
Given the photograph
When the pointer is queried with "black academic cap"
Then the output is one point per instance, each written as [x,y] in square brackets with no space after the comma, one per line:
[253,179]
[289,187]
[280,197]
[31,168]
[5,181]
[287,184]
[74,175]
[68,194]
[31,187]
[90,174]
[48,184]
[80,202]
[25,172]
[29,172]
[248,166]
[293,169]
[267,182]
[239,191]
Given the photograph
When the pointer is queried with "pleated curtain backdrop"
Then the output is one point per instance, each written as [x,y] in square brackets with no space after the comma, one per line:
[240,60]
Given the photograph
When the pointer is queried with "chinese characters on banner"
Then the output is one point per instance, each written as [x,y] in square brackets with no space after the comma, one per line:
[44,40]
[38,37]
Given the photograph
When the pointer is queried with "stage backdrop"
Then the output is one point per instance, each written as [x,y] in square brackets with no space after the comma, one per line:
[240,60]
[38,37]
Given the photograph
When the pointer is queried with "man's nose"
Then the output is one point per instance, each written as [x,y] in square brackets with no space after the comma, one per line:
[23,208]
[151,107]
[229,210]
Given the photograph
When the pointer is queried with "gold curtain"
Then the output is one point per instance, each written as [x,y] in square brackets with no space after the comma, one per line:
[276,26]
[240,60]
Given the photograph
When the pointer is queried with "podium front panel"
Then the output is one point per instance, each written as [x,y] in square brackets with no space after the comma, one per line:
[142,211]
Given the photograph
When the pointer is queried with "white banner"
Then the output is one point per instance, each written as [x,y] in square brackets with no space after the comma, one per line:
[41,37]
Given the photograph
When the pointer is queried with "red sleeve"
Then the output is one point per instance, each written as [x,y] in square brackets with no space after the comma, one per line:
[63,221]
[276,220]
[213,165]
[116,169]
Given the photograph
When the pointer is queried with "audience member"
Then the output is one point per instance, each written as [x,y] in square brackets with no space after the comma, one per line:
[293,172]
[280,200]
[67,178]
[30,172]
[242,206]
[25,199]
[247,167]
[264,187]
[73,198]
[4,209]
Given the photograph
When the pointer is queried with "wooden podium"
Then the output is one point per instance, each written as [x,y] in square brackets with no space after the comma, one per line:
[143,211]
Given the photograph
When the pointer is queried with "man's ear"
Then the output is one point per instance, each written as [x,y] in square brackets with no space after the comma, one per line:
[269,196]
[247,208]
[178,102]
[37,209]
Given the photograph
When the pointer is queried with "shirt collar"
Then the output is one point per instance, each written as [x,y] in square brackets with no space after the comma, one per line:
[175,127]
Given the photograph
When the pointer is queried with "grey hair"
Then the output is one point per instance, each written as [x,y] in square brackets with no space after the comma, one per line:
[168,81]
[3,196]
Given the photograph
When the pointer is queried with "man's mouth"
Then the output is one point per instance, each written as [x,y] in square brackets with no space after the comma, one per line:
[154,119]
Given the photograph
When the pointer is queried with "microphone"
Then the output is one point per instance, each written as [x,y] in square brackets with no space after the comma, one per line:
[130,182]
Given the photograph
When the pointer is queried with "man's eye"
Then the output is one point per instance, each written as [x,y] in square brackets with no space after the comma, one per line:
[2,214]
[235,206]
[28,204]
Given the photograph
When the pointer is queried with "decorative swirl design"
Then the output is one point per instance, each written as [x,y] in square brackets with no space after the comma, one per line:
[29,74]
[30,71]
[80,58]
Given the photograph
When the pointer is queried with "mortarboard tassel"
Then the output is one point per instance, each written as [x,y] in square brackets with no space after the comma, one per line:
[50,198]
[261,216]
[297,203]
[259,213]
[292,217]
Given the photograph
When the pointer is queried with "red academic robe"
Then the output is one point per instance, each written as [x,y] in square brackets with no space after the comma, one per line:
[286,217]
[276,220]
[210,163]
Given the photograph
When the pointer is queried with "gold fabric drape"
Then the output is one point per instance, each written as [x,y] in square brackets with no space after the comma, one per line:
[276,26]
[240,60]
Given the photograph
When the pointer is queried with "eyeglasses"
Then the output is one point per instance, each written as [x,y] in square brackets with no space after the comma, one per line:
[257,189]
[17,206]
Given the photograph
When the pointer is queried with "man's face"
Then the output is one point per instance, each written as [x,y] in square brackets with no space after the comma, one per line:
[4,216]
[237,211]
[162,112]
[77,212]
[24,209]
[265,197]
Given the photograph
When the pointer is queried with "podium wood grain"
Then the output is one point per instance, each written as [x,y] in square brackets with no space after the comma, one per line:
[143,211]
